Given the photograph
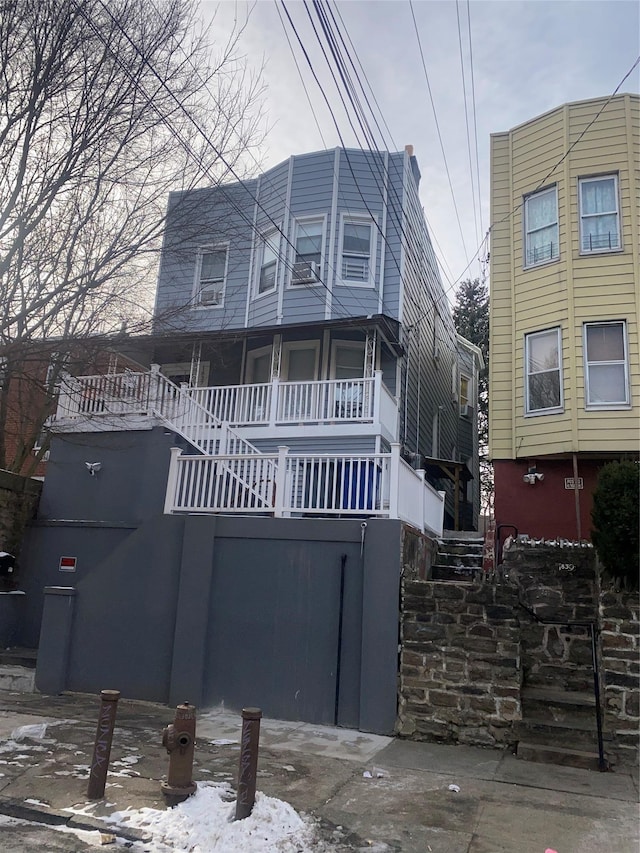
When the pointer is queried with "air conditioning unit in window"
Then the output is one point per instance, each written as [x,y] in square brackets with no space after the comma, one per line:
[210,296]
[305,271]
[464,409]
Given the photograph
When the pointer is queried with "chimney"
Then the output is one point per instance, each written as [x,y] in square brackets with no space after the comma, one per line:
[414,164]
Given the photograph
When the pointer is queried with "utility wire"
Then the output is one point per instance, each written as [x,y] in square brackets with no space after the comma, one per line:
[466,121]
[201,131]
[435,116]
[442,259]
[475,122]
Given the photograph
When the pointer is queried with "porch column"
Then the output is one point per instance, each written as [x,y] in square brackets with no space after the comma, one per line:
[394,480]
[273,403]
[421,508]
[281,508]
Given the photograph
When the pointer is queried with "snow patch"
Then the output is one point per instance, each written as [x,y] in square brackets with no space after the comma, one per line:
[204,824]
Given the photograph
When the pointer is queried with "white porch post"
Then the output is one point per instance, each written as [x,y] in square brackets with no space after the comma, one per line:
[281,506]
[273,403]
[154,388]
[394,480]
[377,392]
[172,480]
[421,472]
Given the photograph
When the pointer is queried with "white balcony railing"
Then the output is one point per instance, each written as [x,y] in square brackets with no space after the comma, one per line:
[278,403]
[273,404]
[290,484]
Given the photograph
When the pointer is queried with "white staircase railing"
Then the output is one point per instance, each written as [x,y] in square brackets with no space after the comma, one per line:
[151,393]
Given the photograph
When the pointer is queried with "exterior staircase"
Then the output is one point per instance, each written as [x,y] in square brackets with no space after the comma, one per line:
[459,556]
[151,393]
[558,727]
[559,723]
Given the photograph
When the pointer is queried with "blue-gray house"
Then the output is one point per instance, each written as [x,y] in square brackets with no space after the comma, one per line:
[242,505]
[304,349]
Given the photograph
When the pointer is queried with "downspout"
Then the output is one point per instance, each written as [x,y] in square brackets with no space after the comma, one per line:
[576,492]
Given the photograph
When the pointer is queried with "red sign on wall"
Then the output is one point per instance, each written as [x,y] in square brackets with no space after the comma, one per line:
[68,564]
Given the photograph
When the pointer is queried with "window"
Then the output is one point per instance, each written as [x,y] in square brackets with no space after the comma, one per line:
[464,397]
[308,256]
[543,372]
[541,227]
[606,366]
[301,361]
[211,276]
[599,220]
[355,263]
[268,264]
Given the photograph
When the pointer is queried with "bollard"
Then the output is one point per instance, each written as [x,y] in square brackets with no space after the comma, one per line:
[102,747]
[179,739]
[248,762]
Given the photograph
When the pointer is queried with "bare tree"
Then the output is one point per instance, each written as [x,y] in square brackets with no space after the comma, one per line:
[105,107]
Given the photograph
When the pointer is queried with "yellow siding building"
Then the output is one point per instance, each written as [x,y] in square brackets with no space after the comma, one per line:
[565,272]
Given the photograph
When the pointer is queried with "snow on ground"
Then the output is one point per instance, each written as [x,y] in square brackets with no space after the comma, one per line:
[204,824]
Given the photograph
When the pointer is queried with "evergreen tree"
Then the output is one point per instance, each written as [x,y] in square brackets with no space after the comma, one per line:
[471,317]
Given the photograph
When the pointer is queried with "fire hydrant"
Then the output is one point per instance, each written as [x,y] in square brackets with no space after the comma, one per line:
[179,739]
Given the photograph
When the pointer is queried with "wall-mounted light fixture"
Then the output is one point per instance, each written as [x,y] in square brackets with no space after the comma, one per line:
[93,467]
[533,476]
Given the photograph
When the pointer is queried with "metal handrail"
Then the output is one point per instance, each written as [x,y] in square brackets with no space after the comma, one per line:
[593,630]
[497,550]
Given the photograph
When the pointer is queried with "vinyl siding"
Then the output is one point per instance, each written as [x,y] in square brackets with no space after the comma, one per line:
[567,292]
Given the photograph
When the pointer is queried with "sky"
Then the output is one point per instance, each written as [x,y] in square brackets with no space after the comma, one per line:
[517,60]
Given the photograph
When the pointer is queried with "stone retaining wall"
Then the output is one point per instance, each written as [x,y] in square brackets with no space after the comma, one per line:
[620,650]
[467,649]
[460,669]
[556,583]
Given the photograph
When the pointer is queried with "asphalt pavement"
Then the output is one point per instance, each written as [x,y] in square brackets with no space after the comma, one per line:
[367,792]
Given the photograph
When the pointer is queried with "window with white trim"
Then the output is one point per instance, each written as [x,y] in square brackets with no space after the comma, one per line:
[355,260]
[268,263]
[541,227]
[543,360]
[308,253]
[464,394]
[599,215]
[212,271]
[606,365]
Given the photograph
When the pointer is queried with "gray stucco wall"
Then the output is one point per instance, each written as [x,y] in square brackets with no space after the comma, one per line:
[299,616]
[241,611]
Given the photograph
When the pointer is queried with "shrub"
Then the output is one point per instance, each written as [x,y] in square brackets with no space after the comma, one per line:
[616,516]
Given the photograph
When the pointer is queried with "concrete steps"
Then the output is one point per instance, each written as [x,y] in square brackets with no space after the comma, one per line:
[558,727]
[459,558]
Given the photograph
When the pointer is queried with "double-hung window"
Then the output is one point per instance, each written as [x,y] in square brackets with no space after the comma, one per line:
[212,270]
[606,365]
[268,264]
[464,395]
[541,227]
[599,216]
[543,360]
[356,252]
[308,252]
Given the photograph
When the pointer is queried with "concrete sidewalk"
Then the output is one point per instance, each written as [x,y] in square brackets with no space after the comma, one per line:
[503,804]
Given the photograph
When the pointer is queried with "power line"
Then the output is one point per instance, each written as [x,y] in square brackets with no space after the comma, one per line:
[201,131]
[475,122]
[466,121]
[435,116]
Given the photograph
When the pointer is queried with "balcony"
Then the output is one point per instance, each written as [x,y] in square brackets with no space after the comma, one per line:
[303,485]
[342,406]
